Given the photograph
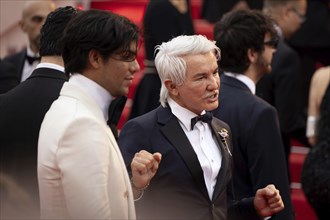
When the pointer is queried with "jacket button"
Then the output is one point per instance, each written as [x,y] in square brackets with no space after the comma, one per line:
[126,194]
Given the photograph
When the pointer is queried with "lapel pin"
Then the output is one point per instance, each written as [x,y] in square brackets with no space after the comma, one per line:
[224,135]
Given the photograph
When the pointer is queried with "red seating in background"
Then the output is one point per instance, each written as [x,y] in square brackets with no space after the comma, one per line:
[296,160]
[204,28]
[132,9]
[302,208]
[195,8]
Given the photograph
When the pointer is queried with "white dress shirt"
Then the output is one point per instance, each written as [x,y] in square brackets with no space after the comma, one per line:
[203,144]
[50,66]
[244,79]
[28,68]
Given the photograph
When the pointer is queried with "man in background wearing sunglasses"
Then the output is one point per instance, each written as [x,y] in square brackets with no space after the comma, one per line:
[282,87]
[248,40]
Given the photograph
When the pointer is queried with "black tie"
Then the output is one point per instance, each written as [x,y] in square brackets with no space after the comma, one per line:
[115,109]
[32,59]
[207,118]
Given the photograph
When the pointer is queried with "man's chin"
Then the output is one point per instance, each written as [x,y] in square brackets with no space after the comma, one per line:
[212,107]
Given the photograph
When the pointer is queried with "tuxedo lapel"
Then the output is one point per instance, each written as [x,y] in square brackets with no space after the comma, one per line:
[84,98]
[221,184]
[174,134]
[21,61]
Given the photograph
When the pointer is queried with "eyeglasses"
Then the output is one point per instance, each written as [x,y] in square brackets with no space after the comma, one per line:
[301,16]
[272,43]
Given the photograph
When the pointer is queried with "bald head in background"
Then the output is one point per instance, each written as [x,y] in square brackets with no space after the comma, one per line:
[289,14]
[33,17]
[25,61]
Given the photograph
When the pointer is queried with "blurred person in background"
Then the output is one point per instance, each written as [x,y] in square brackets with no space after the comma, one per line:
[312,43]
[163,20]
[213,10]
[282,86]
[23,108]
[33,17]
[319,84]
[315,176]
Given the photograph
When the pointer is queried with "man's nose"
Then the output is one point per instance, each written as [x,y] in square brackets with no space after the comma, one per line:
[134,66]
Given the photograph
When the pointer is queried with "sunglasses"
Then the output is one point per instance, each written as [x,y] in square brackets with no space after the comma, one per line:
[272,43]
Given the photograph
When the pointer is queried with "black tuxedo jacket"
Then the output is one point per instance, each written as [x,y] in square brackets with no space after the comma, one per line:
[178,189]
[21,113]
[282,88]
[258,152]
[14,74]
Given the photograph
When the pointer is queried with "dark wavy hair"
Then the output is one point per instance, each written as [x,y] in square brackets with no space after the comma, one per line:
[238,31]
[52,31]
[102,31]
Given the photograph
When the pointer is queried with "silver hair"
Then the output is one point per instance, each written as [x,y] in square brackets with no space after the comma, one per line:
[169,60]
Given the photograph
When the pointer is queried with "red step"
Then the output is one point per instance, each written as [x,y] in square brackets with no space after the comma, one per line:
[302,208]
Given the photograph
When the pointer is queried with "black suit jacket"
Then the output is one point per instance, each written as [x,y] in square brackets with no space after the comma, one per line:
[258,153]
[213,10]
[282,88]
[8,80]
[21,113]
[17,60]
[315,31]
[178,189]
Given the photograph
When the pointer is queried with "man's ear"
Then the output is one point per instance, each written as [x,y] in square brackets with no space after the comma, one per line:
[22,25]
[171,87]
[252,55]
[94,58]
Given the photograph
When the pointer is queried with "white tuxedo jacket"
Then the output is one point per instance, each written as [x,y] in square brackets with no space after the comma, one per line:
[81,171]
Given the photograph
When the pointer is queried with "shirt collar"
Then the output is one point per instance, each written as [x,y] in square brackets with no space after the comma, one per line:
[279,31]
[184,115]
[51,66]
[244,79]
[97,92]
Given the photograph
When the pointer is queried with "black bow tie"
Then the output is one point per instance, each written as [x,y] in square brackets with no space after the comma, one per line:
[32,59]
[116,107]
[207,118]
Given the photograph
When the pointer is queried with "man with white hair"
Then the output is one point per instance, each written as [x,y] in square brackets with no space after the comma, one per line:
[195,171]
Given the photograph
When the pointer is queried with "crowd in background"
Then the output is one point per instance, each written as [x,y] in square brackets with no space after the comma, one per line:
[273,89]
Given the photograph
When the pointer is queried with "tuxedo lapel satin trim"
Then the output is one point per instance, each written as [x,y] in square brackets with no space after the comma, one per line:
[174,133]
[221,184]
[21,63]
